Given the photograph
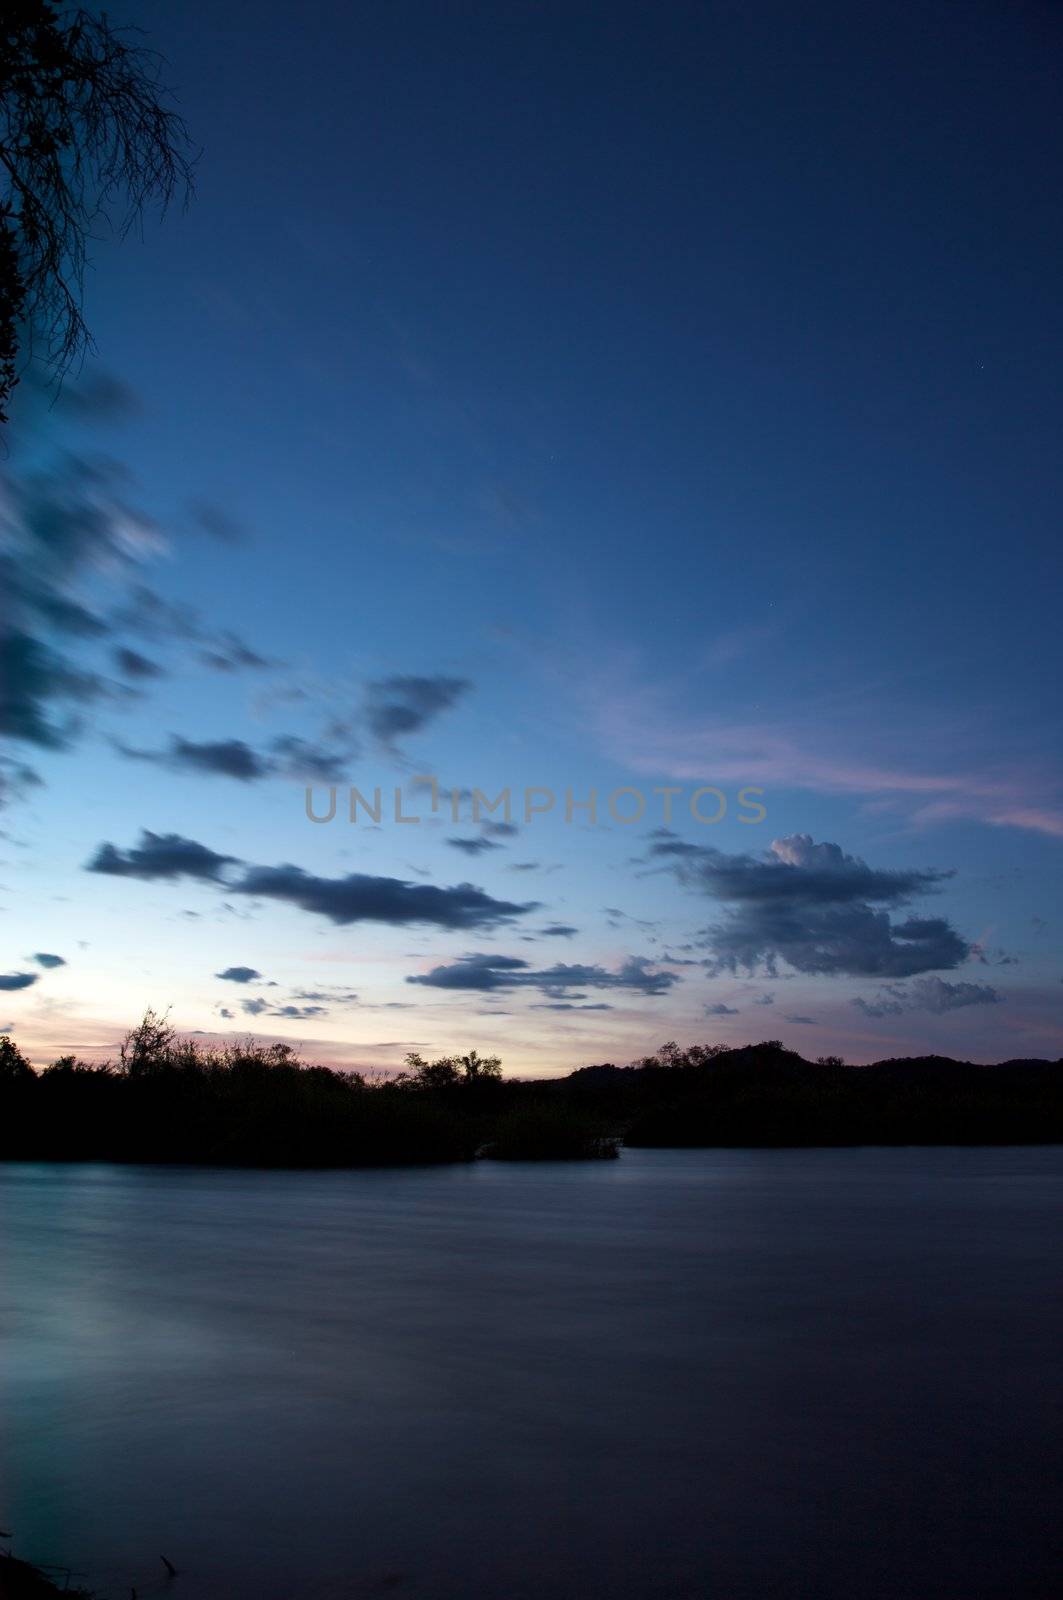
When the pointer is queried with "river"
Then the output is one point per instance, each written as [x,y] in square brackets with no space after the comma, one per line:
[825,1374]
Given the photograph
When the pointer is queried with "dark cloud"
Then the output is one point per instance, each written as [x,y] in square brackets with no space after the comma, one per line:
[133,665]
[811,1021]
[73,517]
[490,973]
[293,757]
[886,1005]
[259,1008]
[335,995]
[565,1005]
[398,706]
[477,971]
[934,994]
[361,898]
[18,980]
[148,614]
[558,930]
[225,758]
[217,523]
[67,527]
[167,856]
[44,958]
[795,869]
[474,847]
[239,974]
[720,1010]
[100,398]
[61,527]
[288,757]
[814,907]
[927,994]
[38,689]
[230,654]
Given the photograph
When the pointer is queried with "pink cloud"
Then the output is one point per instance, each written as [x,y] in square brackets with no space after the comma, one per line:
[644,733]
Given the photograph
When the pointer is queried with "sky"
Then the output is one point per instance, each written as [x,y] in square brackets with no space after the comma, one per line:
[555,398]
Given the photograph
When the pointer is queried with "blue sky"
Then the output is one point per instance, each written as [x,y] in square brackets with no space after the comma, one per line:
[612,397]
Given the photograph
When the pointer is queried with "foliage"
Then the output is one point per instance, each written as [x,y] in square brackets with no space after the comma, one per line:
[169,1098]
[13,1064]
[85,136]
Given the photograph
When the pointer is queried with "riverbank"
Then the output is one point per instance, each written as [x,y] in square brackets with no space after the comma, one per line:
[256,1105]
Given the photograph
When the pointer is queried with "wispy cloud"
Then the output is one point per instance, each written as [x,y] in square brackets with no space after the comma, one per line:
[828,753]
[488,973]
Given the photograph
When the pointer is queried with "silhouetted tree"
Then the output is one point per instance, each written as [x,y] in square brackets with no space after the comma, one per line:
[84,135]
[149,1046]
[13,1064]
[480,1069]
[439,1074]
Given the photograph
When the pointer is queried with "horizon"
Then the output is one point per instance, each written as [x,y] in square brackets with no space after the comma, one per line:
[673,417]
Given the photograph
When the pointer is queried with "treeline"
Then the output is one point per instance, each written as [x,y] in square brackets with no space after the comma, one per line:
[764,1094]
[168,1099]
[171,1099]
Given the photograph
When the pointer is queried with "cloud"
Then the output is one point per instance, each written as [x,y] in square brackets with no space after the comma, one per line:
[934,994]
[16,780]
[133,665]
[17,980]
[150,615]
[258,1008]
[60,528]
[565,1005]
[811,1021]
[558,930]
[217,522]
[335,995]
[362,898]
[814,907]
[829,748]
[795,867]
[403,705]
[358,897]
[100,398]
[238,974]
[884,1006]
[226,758]
[44,958]
[293,757]
[167,856]
[289,756]
[36,682]
[927,994]
[474,847]
[229,653]
[486,973]
[720,1010]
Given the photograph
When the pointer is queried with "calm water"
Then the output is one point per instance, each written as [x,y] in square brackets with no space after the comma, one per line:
[804,1374]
